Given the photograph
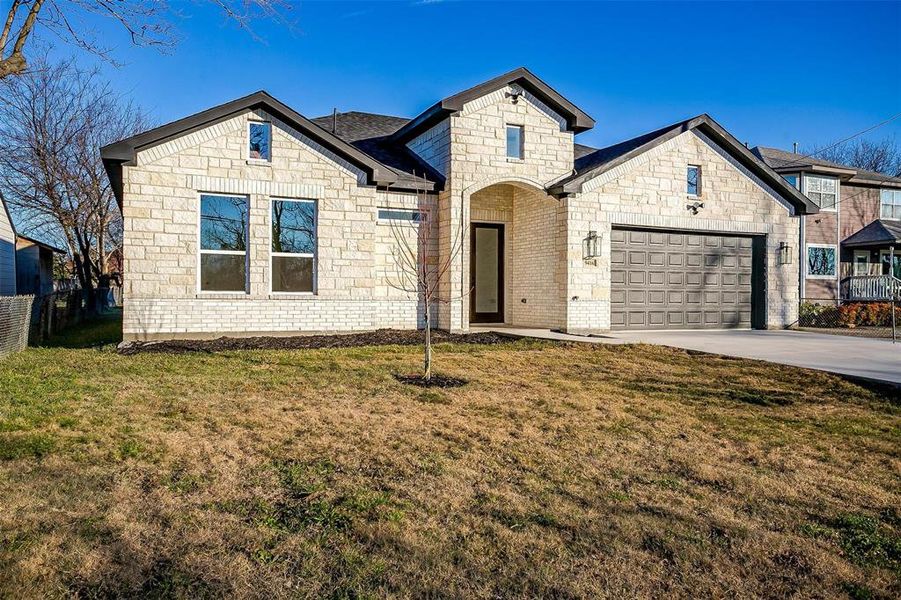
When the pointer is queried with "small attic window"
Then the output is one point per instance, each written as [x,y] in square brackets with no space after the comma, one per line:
[515,141]
[693,180]
[260,141]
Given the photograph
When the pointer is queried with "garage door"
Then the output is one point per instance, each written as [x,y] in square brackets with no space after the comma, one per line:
[677,280]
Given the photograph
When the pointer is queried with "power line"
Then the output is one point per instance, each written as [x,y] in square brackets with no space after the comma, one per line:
[840,142]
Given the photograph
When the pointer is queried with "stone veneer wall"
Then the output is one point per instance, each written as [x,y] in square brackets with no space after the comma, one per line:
[649,191]
[161,212]
[478,160]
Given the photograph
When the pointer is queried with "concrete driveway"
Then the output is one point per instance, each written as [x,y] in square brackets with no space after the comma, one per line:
[873,359]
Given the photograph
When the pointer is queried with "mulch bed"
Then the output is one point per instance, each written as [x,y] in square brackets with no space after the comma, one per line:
[439,381]
[381,337]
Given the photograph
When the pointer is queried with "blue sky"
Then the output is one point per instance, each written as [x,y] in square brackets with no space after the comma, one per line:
[771,73]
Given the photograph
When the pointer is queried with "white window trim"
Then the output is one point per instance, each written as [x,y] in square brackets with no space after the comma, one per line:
[522,142]
[699,183]
[250,159]
[807,261]
[201,251]
[314,255]
[881,203]
[838,189]
[857,254]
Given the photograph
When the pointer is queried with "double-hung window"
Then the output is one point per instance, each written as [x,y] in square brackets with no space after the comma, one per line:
[223,243]
[891,204]
[822,190]
[293,246]
[259,141]
[821,261]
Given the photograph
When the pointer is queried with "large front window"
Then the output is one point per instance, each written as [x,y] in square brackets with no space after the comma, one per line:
[821,261]
[293,246]
[891,204]
[223,243]
[822,190]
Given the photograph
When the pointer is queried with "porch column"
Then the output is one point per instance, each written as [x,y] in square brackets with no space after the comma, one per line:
[453,246]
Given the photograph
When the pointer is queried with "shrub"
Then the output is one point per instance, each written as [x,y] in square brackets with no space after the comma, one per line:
[848,314]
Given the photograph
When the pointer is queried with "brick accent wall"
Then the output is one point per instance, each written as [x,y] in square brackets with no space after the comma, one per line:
[859,206]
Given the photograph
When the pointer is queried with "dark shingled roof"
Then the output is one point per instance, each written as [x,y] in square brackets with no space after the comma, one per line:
[877,233]
[369,133]
[782,160]
[591,165]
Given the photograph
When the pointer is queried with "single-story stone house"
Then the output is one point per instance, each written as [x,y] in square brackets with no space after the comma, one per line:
[249,218]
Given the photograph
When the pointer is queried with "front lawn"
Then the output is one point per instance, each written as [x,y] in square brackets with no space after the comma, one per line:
[558,471]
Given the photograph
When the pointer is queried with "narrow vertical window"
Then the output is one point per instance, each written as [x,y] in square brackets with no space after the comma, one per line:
[693,180]
[515,140]
[223,243]
[260,141]
[293,246]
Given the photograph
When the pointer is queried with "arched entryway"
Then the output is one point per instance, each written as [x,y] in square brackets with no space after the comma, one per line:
[514,256]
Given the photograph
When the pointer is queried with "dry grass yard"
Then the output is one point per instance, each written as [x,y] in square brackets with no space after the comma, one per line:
[558,471]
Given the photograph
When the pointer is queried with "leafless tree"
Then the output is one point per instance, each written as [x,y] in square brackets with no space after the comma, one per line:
[53,121]
[147,22]
[883,156]
[420,267]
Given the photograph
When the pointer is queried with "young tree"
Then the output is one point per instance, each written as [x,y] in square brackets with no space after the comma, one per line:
[420,267]
[53,121]
[147,23]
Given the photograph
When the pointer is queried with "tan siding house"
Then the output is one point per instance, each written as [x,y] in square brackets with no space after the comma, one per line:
[252,219]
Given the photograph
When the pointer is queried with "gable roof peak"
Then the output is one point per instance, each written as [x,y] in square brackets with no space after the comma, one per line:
[577,120]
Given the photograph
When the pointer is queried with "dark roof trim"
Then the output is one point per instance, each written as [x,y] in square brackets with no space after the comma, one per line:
[41,244]
[577,120]
[116,154]
[877,233]
[717,133]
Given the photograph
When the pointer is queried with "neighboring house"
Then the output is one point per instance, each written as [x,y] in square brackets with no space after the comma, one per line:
[34,266]
[7,251]
[250,218]
[855,234]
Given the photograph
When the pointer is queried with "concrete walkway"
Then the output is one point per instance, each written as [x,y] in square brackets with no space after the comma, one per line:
[872,359]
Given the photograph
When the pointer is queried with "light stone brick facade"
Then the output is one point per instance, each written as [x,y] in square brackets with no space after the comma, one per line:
[161,238]
[547,283]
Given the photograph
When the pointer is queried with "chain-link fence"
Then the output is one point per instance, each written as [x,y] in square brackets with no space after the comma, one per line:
[15,321]
[843,317]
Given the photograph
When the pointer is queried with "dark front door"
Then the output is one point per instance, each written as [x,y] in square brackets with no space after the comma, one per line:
[486,264]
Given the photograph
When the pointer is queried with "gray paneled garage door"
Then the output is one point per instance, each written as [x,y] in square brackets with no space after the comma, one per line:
[675,280]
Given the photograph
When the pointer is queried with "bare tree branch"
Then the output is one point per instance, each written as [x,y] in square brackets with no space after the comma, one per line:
[147,22]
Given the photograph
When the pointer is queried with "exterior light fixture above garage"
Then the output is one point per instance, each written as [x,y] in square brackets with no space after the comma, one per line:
[591,246]
[785,254]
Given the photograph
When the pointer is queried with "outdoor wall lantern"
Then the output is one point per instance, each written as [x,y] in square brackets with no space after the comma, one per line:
[785,254]
[591,246]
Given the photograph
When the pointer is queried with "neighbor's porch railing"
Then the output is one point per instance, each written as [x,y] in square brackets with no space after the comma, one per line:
[871,287]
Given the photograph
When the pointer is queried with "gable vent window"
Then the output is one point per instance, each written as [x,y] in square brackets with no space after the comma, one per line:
[693,180]
[260,141]
[515,141]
